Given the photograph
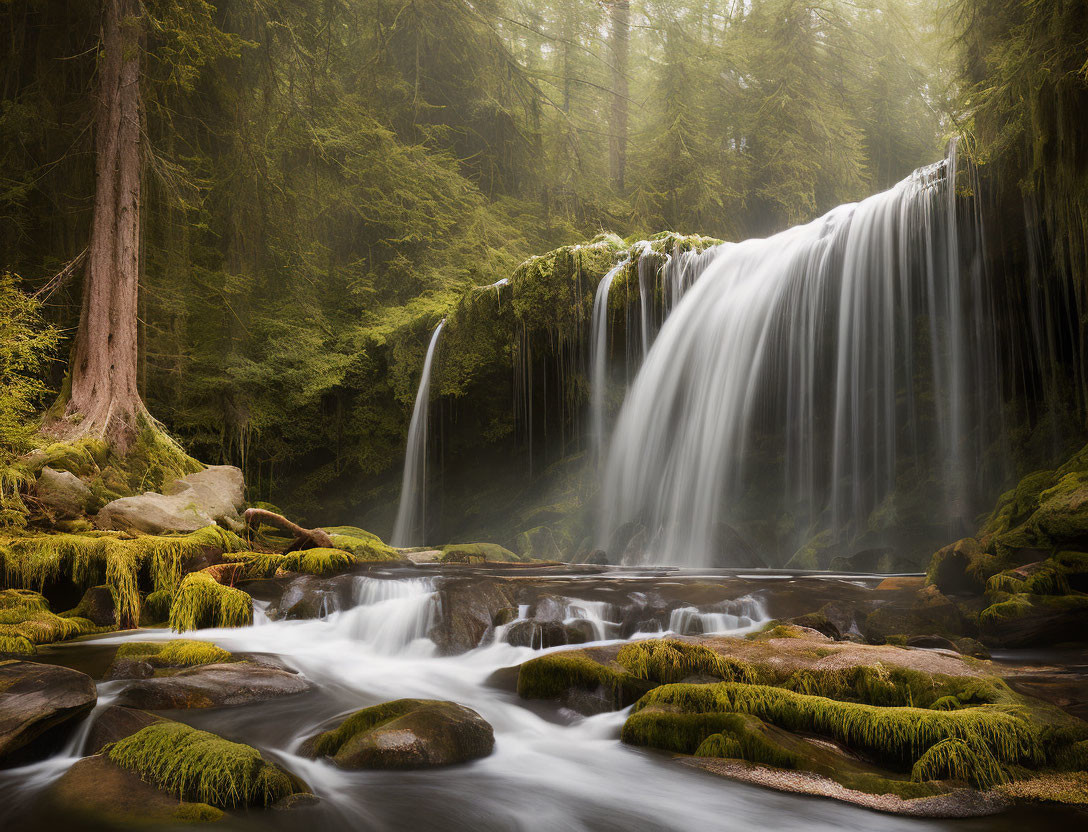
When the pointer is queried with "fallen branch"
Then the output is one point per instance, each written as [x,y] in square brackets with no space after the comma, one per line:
[304,538]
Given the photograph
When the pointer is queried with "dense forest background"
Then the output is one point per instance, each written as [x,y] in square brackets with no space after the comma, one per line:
[322,180]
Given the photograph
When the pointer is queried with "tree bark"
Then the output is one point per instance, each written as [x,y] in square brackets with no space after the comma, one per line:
[303,538]
[620,18]
[104,399]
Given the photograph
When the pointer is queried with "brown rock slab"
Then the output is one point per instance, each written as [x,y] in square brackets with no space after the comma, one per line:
[213,686]
[35,698]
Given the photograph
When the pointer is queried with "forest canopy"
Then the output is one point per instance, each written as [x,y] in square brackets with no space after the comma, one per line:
[322,181]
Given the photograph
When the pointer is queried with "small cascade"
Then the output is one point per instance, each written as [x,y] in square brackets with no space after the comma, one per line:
[410,526]
[742,615]
[815,376]
[389,615]
[598,360]
[598,617]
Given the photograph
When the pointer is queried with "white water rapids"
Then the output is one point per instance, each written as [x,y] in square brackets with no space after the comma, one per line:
[550,771]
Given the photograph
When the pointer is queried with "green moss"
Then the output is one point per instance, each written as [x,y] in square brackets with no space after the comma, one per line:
[202,602]
[366,546]
[745,738]
[669,660]
[32,561]
[555,675]
[26,621]
[957,759]
[947,703]
[200,766]
[197,813]
[898,735]
[180,652]
[330,742]
[467,552]
[1005,582]
[308,561]
[157,605]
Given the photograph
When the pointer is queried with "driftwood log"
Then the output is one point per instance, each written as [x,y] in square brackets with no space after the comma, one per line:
[304,538]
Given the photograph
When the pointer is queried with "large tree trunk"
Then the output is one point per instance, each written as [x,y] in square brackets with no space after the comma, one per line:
[104,398]
[620,13]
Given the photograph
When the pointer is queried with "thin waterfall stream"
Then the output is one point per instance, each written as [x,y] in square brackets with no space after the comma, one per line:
[410,526]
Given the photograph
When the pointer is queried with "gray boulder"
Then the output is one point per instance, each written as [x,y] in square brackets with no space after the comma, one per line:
[214,495]
[63,494]
[35,698]
[213,686]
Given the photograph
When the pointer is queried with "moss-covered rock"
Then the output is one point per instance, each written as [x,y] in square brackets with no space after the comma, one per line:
[26,621]
[365,546]
[211,686]
[479,553]
[201,767]
[405,734]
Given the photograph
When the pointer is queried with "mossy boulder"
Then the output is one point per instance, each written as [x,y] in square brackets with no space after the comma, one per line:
[97,606]
[114,723]
[195,501]
[62,494]
[479,553]
[929,612]
[142,659]
[1022,619]
[39,699]
[97,793]
[405,734]
[366,546]
[201,767]
[26,621]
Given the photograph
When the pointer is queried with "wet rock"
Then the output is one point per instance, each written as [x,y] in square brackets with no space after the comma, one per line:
[544,634]
[213,686]
[971,647]
[114,723]
[873,561]
[1038,620]
[63,494]
[818,622]
[931,643]
[469,606]
[130,667]
[101,793]
[302,800]
[37,698]
[928,613]
[97,606]
[309,596]
[190,503]
[405,734]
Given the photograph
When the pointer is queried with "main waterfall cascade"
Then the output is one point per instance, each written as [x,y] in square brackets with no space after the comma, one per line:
[410,525]
[802,379]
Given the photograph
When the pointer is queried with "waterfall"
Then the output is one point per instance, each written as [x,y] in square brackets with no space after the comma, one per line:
[389,615]
[410,525]
[804,377]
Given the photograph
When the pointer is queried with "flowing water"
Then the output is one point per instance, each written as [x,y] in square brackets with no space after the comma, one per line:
[410,525]
[551,769]
[808,376]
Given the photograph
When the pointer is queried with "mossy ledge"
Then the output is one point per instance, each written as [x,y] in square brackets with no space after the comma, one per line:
[203,602]
[201,767]
[27,621]
[679,717]
[90,559]
[180,652]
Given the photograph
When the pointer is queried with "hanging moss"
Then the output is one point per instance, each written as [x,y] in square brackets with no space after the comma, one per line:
[956,759]
[203,602]
[180,652]
[200,766]
[670,660]
[157,606]
[898,735]
[308,561]
[87,560]
[745,738]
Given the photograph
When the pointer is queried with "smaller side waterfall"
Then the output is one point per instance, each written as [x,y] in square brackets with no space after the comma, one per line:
[742,615]
[598,360]
[411,520]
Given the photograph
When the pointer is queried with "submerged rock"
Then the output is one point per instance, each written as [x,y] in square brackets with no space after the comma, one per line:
[36,698]
[405,734]
[213,686]
[214,495]
[101,793]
